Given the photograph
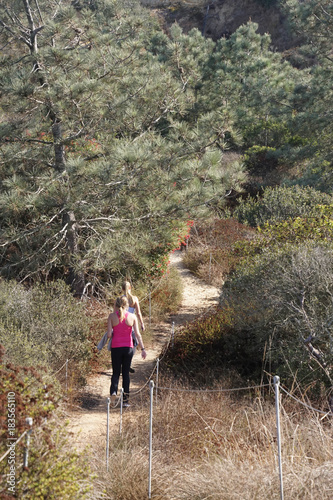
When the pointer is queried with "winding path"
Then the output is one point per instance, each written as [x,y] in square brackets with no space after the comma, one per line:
[88,423]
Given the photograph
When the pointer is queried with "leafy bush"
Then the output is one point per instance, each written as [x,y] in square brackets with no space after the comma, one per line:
[199,349]
[44,324]
[166,296]
[54,470]
[317,227]
[209,253]
[282,308]
[259,160]
[279,204]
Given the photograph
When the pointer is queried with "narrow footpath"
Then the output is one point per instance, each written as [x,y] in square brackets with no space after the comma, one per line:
[88,423]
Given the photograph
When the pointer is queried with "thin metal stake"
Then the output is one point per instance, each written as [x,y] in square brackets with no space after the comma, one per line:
[276,381]
[157,368]
[121,410]
[151,385]
[107,434]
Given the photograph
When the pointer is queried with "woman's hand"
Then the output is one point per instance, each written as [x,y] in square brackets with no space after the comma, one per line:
[143,353]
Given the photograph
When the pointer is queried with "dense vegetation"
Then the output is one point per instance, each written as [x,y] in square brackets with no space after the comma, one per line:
[112,129]
[53,469]
[114,137]
[275,307]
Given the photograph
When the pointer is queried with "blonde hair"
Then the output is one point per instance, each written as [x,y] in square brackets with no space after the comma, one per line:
[126,288]
[121,304]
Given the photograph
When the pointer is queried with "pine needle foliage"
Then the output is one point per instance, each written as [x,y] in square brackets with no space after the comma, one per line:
[95,145]
[313,22]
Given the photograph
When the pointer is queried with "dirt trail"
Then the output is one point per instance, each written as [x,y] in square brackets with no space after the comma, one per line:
[89,422]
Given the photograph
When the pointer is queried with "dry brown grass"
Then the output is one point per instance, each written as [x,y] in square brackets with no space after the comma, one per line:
[219,446]
[209,255]
[166,296]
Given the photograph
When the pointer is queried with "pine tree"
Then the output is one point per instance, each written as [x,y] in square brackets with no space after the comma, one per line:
[253,86]
[97,157]
[313,104]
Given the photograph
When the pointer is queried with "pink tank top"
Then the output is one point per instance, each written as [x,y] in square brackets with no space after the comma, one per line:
[122,334]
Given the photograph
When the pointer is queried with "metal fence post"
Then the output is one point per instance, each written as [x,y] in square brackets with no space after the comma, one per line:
[121,410]
[151,385]
[276,381]
[107,434]
[157,369]
[28,421]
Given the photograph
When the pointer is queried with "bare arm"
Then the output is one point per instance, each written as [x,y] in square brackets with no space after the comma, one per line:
[138,313]
[109,331]
[138,337]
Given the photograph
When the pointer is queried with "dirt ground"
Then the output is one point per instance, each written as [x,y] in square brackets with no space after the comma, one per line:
[88,422]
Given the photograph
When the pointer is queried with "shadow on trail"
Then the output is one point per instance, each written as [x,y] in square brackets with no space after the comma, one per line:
[91,401]
[104,373]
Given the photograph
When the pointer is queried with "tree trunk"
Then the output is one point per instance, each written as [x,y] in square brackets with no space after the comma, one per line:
[75,278]
[59,150]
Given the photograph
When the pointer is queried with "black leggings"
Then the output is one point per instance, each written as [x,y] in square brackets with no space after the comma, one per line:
[121,358]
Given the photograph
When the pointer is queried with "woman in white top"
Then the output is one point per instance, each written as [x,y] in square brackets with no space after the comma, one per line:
[133,302]
[134,308]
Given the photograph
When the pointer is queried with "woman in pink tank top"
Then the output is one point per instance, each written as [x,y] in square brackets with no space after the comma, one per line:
[120,325]
[133,307]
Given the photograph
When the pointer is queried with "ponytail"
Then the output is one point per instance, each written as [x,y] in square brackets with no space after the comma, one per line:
[126,288]
[122,305]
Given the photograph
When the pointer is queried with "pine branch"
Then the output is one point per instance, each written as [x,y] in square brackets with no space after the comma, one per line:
[26,234]
[17,37]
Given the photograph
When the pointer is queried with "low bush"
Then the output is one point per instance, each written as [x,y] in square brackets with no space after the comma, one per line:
[54,469]
[209,254]
[280,204]
[259,160]
[44,324]
[198,352]
[281,302]
[166,295]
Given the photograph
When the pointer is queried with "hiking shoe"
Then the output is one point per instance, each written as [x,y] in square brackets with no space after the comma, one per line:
[113,398]
[132,370]
[126,404]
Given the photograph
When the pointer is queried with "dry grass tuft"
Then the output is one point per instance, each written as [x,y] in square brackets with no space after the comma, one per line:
[209,254]
[219,446]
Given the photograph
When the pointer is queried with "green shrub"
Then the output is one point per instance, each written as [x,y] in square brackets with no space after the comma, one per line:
[281,302]
[54,470]
[259,160]
[209,255]
[166,296]
[199,349]
[317,227]
[280,204]
[43,324]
